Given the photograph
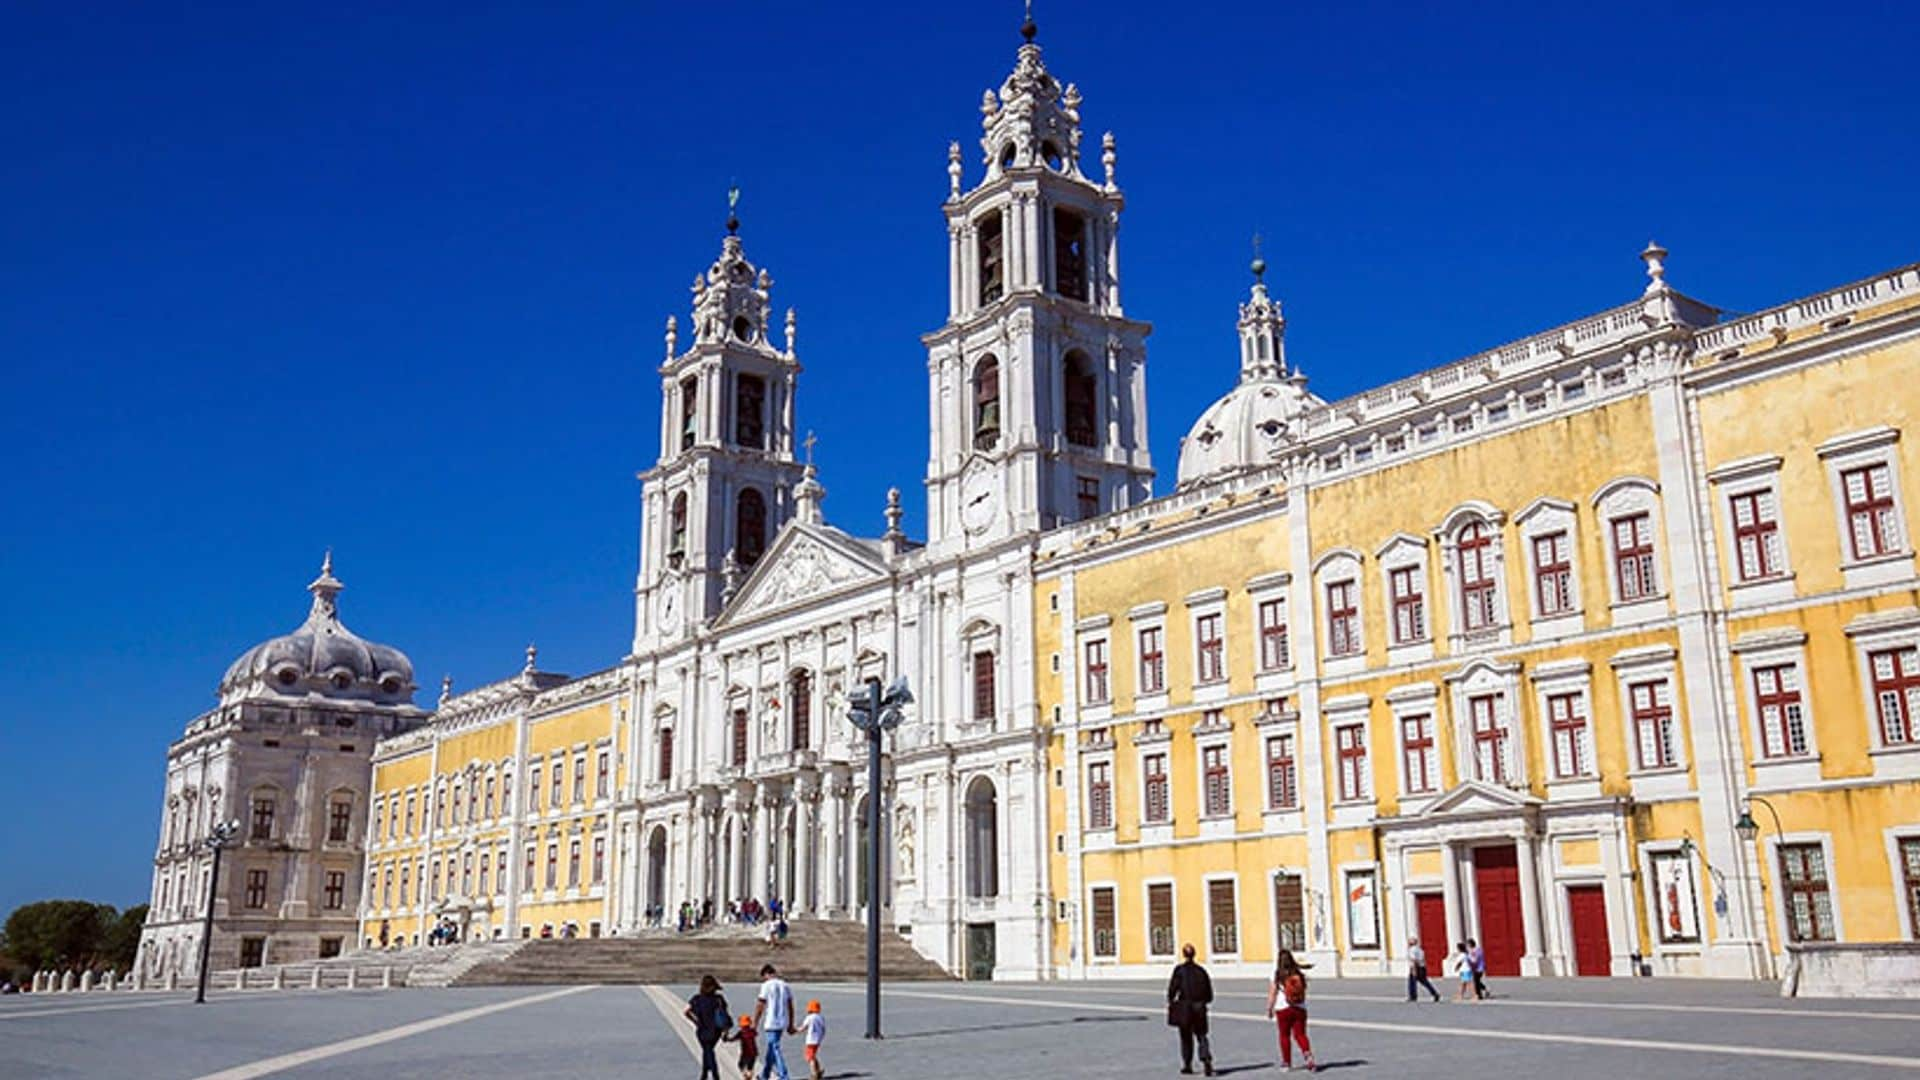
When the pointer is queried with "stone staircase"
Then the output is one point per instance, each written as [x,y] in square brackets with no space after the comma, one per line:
[815,951]
[448,965]
[368,969]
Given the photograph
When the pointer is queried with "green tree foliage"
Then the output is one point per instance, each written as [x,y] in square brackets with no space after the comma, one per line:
[58,935]
[120,944]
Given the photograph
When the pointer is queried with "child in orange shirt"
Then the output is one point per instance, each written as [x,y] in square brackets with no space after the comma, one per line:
[814,1030]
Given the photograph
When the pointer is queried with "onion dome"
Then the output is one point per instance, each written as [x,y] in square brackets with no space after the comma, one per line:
[1260,417]
[321,659]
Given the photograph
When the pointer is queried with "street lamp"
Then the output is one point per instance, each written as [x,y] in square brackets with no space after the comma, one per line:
[223,834]
[875,712]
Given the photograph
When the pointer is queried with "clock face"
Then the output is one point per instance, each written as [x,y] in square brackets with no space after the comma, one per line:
[670,608]
[979,500]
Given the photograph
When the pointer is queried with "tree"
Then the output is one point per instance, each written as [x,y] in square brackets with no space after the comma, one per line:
[58,934]
[120,942]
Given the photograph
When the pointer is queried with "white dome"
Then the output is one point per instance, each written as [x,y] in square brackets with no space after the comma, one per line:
[321,658]
[1244,429]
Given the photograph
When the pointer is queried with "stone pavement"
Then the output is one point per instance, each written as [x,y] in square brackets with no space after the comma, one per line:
[1567,1029]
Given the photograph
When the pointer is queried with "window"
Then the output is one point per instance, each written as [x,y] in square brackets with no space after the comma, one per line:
[1106,939]
[253,952]
[1553,574]
[466,874]
[1081,391]
[1218,787]
[533,784]
[339,821]
[986,404]
[492,790]
[453,867]
[1212,648]
[1416,736]
[406,882]
[1097,689]
[1343,620]
[473,800]
[992,257]
[256,889]
[1153,661]
[1871,526]
[1910,881]
[982,839]
[527,878]
[1154,767]
[500,882]
[262,818]
[603,774]
[1756,535]
[486,873]
[379,821]
[1160,918]
[1350,741]
[1100,795]
[1803,881]
[1783,723]
[740,737]
[410,810]
[333,895]
[1652,705]
[1409,605]
[573,864]
[800,690]
[1633,557]
[579,778]
[689,413]
[1478,588]
[666,755]
[599,860]
[983,703]
[1489,738]
[1273,636]
[749,411]
[1069,254]
[749,527]
[555,793]
[1087,492]
[506,785]
[1567,725]
[1222,918]
[553,864]
[677,529]
[1896,694]
[1282,793]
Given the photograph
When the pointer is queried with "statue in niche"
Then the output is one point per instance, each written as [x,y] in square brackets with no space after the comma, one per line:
[905,832]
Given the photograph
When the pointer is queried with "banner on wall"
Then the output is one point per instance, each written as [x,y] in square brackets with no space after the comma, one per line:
[1676,900]
[1363,910]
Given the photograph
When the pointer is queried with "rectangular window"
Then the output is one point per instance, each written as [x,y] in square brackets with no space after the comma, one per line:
[453,868]
[599,860]
[410,808]
[1213,648]
[466,875]
[801,693]
[1350,741]
[1803,880]
[334,894]
[1282,794]
[1154,767]
[983,703]
[573,864]
[1871,527]
[262,819]
[256,889]
[1153,661]
[1910,881]
[1409,605]
[406,881]
[1896,694]
[666,755]
[1087,493]
[1106,937]
[379,820]
[339,821]
[492,787]
[527,878]
[1100,795]
[486,873]
[1274,655]
[1479,592]
[1489,738]
[1097,688]
[1567,722]
[739,738]
[1553,574]
[1219,781]
[1343,619]
[1652,704]
[1756,535]
[1222,919]
[253,952]
[579,778]
[556,774]
[1160,917]
[553,864]
[1416,736]
[1783,722]
[473,801]
[603,774]
[1633,556]
[534,789]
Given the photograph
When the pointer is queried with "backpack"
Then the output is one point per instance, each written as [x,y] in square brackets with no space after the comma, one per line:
[1295,989]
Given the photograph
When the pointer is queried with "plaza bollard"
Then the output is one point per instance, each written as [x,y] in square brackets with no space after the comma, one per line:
[86,981]
[313,983]
[173,979]
[353,978]
[106,981]
[386,977]
[39,982]
[66,982]
[279,978]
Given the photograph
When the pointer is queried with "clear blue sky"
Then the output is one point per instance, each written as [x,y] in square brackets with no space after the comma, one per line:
[277,278]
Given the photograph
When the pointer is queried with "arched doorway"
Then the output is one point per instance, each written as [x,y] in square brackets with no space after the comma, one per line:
[983,839]
[862,844]
[657,869]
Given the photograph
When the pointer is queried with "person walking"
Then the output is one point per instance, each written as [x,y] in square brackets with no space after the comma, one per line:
[1479,957]
[1463,970]
[1288,991]
[1189,992]
[711,1019]
[813,1031]
[1417,972]
[773,1015]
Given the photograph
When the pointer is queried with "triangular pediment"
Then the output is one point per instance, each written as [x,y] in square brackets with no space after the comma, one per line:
[804,563]
[1473,797]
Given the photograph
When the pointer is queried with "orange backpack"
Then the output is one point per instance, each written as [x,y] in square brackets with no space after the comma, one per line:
[1295,989]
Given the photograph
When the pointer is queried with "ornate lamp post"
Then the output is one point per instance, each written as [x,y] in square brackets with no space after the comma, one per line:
[875,712]
[222,836]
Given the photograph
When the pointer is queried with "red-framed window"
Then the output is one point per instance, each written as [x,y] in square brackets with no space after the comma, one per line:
[1653,730]
[1409,605]
[1100,795]
[983,696]
[740,737]
[1099,689]
[262,819]
[1567,725]
[1350,742]
[1896,694]
[1490,738]
[1153,660]
[256,889]
[492,803]
[603,774]
[1274,654]
[534,789]
[1553,573]
[1154,766]
[557,775]
[553,864]
[473,799]
[1783,722]
[580,778]
[411,805]
[665,766]
[1479,592]
[1282,790]
[1803,882]
[1219,781]
[599,859]
[486,874]
[1106,936]
[1910,881]
[527,878]
[334,894]
[1871,526]
[1756,535]
[1343,619]
[1416,742]
[1213,648]
[573,864]
[1633,556]
[466,875]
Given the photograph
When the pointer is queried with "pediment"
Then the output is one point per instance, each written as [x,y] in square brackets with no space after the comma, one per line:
[806,561]
[1473,797]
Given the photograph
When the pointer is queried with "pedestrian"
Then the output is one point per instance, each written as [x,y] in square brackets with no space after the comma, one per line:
[1417,972]
[1288,991]
[1463,969]
[710,1017]
[773,1015]
[813,1030]
[706,911]
[386,931]
[749,1047]
[1189,992]
[1479,957]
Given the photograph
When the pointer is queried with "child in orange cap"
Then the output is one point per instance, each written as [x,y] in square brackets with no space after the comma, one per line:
[749,1046]
[814,1028]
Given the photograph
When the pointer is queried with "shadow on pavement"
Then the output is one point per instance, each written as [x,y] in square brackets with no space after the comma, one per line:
[1017,1027]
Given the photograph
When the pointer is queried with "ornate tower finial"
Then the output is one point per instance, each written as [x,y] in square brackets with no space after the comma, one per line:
[729,576]
[1259,264]
[1028,29]
[791,324]
[531,653]
[326,591]
[808,443]
[733,206]
[446,689]
[894,512]
[673,338]
[808,493]
[1656,259]
[1108,157]
[953,171]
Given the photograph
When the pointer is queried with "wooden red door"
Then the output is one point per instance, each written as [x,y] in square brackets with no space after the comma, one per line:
[1496,881]
[1430,917]
[1587,911]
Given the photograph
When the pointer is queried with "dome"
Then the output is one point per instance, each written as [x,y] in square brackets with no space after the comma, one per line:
[322,658]
[1244,429]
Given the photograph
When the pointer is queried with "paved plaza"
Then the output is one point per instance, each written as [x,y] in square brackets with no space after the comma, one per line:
[1566,1029]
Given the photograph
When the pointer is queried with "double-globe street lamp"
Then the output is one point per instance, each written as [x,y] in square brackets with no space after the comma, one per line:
[875,712]
[223,835]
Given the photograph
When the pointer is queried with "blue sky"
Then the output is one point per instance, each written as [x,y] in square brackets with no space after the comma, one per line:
[393,280]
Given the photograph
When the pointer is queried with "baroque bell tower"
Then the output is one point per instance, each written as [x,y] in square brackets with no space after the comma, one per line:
[1038,379]
[725,478]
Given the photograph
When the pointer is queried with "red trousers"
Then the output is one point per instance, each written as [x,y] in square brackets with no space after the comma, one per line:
[1293,1023]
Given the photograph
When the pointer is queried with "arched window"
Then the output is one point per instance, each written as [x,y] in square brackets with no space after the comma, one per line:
[749,411]
[1069,254]
[657,869]
[677,529]
[986,404]
[992,249]
[750,527]
[800,708]
[983,839]
[1081,396]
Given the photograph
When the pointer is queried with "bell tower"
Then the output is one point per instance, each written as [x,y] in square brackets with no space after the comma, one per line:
[1038,379]
[724,481]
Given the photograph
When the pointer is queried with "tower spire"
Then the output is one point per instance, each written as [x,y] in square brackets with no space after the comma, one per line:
[1028,28]
[326,591]
[733,210]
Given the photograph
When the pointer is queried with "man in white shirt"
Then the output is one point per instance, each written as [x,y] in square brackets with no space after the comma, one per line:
[773,1016]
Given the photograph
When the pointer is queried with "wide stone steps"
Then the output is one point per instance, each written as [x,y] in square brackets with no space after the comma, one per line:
[822,951]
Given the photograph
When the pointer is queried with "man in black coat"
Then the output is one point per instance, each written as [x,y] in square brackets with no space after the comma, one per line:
[1189,993]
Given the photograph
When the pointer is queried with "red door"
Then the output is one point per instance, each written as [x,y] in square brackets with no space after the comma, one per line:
[1496,880]
[1587,909]
[1430,913]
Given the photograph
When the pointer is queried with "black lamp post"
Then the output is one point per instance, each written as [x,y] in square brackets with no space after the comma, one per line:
[217,841]
[875,712]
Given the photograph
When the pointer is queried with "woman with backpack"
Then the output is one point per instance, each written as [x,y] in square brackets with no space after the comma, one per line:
[1288,991]
[712,1021]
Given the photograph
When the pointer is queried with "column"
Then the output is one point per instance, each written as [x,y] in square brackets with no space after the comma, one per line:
[1455,901]
[703,850]
[756,883]
[1529,906]
[832,879]
[805,866]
